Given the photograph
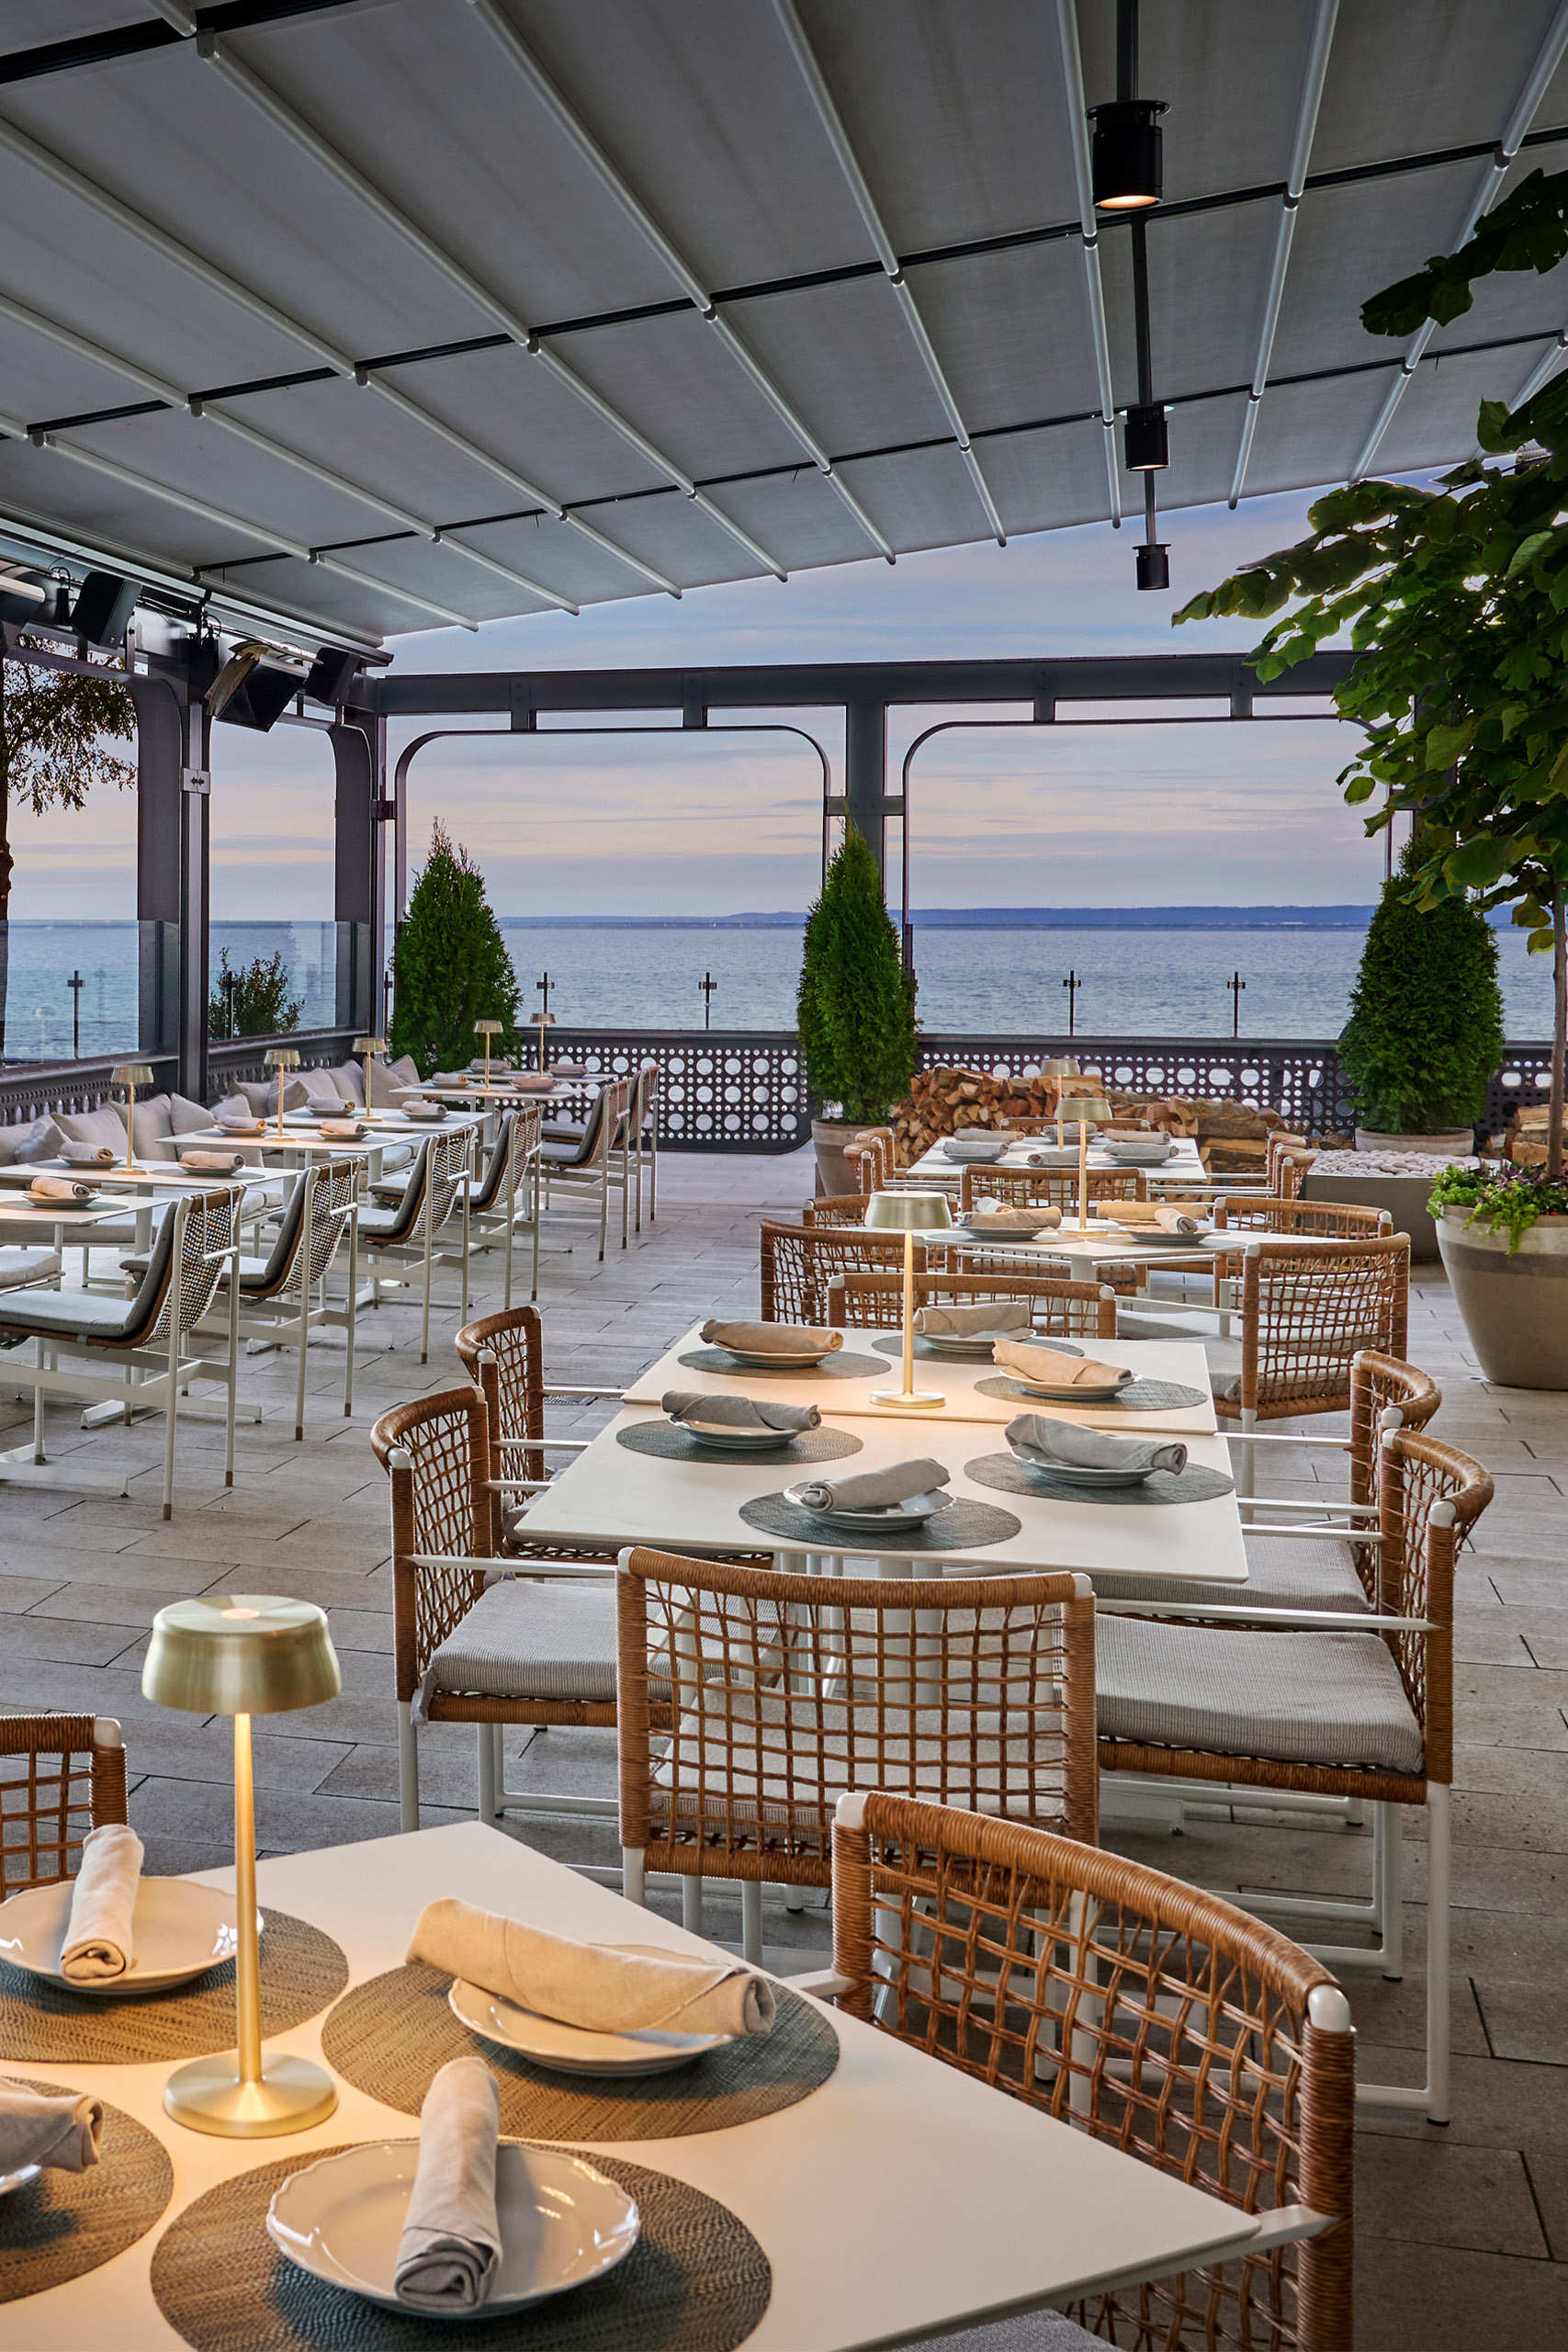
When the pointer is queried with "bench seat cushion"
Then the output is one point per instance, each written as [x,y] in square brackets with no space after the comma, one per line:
[522,1640]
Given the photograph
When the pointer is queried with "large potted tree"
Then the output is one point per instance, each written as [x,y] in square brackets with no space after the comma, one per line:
[450,966]
[856,1013]
[1455,599]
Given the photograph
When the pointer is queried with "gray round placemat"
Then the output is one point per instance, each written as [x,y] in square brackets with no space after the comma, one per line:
[302,1971]
[892,1344]
[838,1366]
[64,2223]
[1138,1397]
[671,1443]
[963,1528]
[1194,1484]
[389,2035]
[695,2281]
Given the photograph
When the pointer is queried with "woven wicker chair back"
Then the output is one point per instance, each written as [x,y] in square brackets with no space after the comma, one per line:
[875,1302]
[1307,1220]
[870,1153]
[1376,1383]
[57,1782]
[798,1262]
[211,1220]
[1055,1188]
[503,1355]
[1419,1550]
[441,1505]
[1134,2008]
[785,1690]
[835,1209]
[1281,1145]
[1308,1309]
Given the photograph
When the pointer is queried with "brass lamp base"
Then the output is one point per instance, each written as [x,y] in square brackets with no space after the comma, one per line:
[908,1400]
[207,2095]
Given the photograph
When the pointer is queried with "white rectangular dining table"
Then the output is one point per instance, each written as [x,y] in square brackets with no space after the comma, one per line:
[956,1380]
[901,2198]
[1184,1166]
[611,1496]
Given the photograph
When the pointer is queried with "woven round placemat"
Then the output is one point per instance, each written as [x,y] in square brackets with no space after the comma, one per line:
[892,1344]
[390,2036]
[673,1444]
[963,1528]
[1138,1397]
[63,2223]
[695,2281]
[302,1971]
[1193,1484]
[841,1366]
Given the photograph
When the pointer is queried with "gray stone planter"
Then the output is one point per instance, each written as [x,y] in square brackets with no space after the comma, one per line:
[1448,1143]
[1404,1198]
[1515,1306]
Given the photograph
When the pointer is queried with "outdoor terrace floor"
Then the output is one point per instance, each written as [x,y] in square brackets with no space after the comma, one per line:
[1461,2233]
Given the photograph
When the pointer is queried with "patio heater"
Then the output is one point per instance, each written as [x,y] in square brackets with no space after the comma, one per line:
[130,1075]
[282,1058]
[908,1213]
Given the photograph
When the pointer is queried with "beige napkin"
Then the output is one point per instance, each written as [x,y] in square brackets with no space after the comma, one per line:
[212,1163]
[872,1489]
[1133,1212]
[992,1217]
[98,1939]
[449,2253]
[961,1322]
[770,1339]
[59,1188]
[591,1986]
[61,2129]
[721,1412]
[1058,1370]
[88,1155]
[1173,1219]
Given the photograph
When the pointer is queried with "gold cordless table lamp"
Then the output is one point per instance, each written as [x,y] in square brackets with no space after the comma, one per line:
[487,1030]
[282,1058]
[130,1075]
[242,1655]
[369,1047]
[908,1213]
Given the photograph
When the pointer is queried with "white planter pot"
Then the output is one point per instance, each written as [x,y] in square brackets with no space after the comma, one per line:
[1448,1143]
[834,1173]
[1515,1304]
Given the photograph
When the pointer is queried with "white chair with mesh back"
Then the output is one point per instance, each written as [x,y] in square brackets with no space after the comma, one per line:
[499,1202]
[283,1296]
[398,1243]
[592,1164]
[150,1338]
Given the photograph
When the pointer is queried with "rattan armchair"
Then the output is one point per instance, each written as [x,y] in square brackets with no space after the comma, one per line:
[1139,2011]
[61,1777]
[835,1209]
[782,1691]
[1324,1705]
[870,1154]
[798,1262]
[472,1644]
[875,1302]
[1054,1188]
[503,1355]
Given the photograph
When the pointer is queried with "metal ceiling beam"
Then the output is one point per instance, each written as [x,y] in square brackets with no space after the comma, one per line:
[65,175]
[293,125]
[1088,222]
[1488,187]
[1295,180]
[832,124]
[616,185]
[177,400]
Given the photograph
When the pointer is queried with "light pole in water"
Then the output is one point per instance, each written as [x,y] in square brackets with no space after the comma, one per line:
[1235,985]
[1072,984]
[707,985]
[75,984]
[544,1016]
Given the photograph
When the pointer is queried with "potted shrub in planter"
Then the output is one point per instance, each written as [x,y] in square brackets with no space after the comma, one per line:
[1503,1233]
[855,1012]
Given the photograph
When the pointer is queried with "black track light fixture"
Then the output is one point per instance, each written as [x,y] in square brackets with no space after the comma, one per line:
[1146,439]
[1154,564]
[1127,154]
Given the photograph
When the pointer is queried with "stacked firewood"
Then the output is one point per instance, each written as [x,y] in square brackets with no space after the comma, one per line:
[1528,1134]
[1232,1137]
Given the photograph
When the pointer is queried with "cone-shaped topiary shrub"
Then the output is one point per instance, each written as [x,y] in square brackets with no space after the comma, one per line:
[1426,1027]
[856,1008]
[450,966]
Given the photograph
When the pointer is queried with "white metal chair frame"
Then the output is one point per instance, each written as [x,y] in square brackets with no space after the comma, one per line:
[436,1183]
[296,1303]
[494,1200]
[592,1177]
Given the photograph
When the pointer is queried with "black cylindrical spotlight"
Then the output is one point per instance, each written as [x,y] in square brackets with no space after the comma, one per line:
[1146,439]
[1154,564]
[1128,163]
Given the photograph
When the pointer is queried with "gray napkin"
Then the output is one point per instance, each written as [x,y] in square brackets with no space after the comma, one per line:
[974,1147]
[872,1489]
[1037,1438]
[1171,1219]
[88,1155]
[962,1322]
[450,2249]
[770,1339]
[737,1412]
[62,2129]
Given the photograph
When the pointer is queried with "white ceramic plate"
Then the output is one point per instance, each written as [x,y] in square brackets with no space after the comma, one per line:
[1069,1396]
[19,2178]
[734,1441]
[562,2222]
[763,1357]
[1161,1239]
[952,1343]
[1071,1475]
[574,2049]
[892,1519]
[180,1929]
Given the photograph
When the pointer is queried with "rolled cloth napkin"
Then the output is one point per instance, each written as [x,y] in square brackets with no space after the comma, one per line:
[1034,1437]
[990,1216]
[874,1489]
[212,1163]
[592,1985]
[59,1188]
[1060,1371]
[449,2253]
[1172,1219]
[737,1412]
[236,1126]
[770,1339]
[974,1147]
[62,2129]
[88,1155]
[962,1322]
[99,1943]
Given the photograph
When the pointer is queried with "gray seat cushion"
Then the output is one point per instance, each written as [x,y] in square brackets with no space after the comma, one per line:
[1282,1572]
[26,1266]
[1330,1699]
[522,1640]
[63,1313]
[1028,2332]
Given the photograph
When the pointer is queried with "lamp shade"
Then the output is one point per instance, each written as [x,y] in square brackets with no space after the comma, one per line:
[240,1654]
[132,1074]
[282,1057]
[489,1028]
[1094,1108]
[370,1045]
[908,1213]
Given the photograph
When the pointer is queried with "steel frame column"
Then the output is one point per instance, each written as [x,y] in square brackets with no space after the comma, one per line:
[359,754]
[865,772]
[174,746]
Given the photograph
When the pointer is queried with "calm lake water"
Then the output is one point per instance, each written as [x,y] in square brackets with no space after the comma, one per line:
[1130,983]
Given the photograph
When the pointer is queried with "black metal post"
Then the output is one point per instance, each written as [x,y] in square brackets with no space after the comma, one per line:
[359,755]
[865,772]
[1235,985]
[707,985]
[76,984]
[1072,985]
[173,750]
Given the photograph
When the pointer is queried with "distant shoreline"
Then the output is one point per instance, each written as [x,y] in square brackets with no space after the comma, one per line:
[1334,918]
